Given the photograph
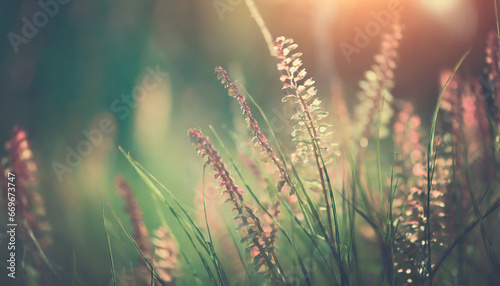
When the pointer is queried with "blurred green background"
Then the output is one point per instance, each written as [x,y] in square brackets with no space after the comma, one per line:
[75,70]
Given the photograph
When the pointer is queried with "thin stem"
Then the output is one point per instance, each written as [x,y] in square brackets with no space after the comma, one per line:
[262,26]
[316,156]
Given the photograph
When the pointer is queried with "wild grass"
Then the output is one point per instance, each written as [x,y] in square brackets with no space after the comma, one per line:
[404,220]
[321,212]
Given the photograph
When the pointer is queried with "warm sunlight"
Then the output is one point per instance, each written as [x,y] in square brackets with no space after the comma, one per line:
[458,17]
[441,6]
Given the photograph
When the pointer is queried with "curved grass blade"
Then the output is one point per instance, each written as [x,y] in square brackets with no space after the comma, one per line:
[211,244]
[164,224]
[137,246]
[467,230]
[430,167]
[258,202]
[111,261]
[150,180]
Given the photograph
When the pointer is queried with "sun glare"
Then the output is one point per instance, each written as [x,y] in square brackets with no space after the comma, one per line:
[458,17]
[440,6]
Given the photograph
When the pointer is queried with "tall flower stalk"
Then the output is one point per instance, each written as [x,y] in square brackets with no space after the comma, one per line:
[493,72]
[140,232]
[493,89]
[161,244]
[411,262]
[34,230]
[166,255]
[246,219]
[133,209]
[258,137]
[375,96]
[309,133]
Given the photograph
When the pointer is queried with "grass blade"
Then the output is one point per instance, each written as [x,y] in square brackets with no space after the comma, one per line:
[430,168]
[112,264]
[137,246]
